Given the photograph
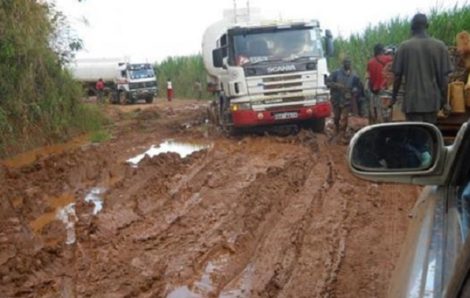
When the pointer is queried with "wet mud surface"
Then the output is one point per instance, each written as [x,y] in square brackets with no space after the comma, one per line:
[244,216]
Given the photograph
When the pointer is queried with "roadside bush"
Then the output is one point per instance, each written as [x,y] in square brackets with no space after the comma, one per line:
[39,101]
[183,71]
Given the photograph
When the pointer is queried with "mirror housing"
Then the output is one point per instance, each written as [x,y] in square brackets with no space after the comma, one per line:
[404,152]
[217,58]
[329,46]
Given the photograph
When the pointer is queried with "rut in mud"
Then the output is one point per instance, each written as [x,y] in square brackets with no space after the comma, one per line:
[251,216]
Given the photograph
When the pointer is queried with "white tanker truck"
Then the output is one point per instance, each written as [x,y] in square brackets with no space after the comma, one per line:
[267,72]
[126,82]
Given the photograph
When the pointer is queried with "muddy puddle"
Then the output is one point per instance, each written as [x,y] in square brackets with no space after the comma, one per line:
[63,210]
[57,204]
[30,157]
[204,287]
[95,197]
[170,146]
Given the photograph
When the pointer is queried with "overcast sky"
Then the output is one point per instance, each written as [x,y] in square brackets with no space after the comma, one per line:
[153,30]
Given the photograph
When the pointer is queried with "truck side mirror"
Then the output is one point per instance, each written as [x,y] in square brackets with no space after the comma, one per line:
[330,49]
[123,73]
[217,57]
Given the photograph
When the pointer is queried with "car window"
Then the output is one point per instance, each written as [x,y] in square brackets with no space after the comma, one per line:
[462,264]
[463,207]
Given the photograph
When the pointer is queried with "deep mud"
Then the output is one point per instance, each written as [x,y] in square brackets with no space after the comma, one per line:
[248,216]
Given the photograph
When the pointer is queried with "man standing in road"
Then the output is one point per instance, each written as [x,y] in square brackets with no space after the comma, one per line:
[346,90]
[424,63]
[169,90]
[99,90]
[375,66]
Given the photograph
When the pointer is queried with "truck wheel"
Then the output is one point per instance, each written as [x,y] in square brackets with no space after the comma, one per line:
[212,114]
[149,100]
[114,97]
[122,97]
[317,125]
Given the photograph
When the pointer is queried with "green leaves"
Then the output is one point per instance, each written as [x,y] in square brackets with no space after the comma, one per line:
[444,25]
[184,72]
[39,100]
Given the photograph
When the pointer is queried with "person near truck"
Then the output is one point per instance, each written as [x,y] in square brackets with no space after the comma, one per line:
[424,64]
[100,90]
[346,90]
[169,90]
[376,84]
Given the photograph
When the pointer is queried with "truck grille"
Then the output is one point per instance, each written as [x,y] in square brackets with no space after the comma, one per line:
[282,78]
[282,86]
[141,85]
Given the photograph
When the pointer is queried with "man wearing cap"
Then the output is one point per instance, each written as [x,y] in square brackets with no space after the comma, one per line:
[423,63]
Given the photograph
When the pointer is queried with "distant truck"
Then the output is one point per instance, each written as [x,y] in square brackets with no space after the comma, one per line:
[267,72]
[126,82]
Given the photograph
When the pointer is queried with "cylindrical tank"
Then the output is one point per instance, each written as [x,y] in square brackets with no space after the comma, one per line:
[209,43]
[90,70]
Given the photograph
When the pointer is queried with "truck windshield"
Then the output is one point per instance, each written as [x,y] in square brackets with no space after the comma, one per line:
[141,73]
[278,44]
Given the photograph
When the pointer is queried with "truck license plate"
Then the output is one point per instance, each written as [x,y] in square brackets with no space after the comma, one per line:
[287,115]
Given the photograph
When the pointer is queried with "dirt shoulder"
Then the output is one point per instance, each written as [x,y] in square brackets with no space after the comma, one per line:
[248,216]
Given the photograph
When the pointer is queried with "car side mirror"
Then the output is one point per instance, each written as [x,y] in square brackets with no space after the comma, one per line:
[396,152]
[330,49]
[217,57]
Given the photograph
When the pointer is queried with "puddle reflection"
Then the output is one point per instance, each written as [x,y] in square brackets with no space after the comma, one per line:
[183,149]
[95,196]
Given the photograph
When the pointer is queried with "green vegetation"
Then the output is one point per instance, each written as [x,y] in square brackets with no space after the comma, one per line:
[39,101]
[184,72]
[444,25]
[100,136]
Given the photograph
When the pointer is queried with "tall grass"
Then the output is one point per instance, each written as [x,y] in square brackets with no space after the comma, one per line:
[444,25]
[39,101]
[183,72]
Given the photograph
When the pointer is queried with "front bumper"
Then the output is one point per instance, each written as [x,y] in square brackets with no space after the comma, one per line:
[142,93]
[247,118]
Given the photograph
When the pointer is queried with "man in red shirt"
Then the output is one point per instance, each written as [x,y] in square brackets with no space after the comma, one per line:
[376,85]
[100,90]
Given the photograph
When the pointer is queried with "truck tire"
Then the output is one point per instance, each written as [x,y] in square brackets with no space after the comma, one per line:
[114,99]
[149,99]
[122,97]
[317,125]
[212,114]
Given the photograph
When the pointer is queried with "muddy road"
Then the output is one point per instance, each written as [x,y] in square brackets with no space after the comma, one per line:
[246,216]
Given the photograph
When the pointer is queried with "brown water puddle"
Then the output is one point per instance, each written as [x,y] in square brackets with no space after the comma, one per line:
[29,157]
[56,203]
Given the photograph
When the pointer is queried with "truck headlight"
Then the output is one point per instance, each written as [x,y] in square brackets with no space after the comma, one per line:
[240,106]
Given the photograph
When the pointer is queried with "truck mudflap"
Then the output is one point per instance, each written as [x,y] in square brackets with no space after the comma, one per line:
[246,118]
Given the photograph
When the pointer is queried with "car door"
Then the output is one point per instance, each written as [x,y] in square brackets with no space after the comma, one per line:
[433,257]
[457,262]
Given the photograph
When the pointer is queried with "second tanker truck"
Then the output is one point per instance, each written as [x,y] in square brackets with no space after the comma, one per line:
[267,72]
[126,82]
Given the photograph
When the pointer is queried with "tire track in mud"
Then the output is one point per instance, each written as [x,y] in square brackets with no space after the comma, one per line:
[287,263]
[183,231]
[252,217]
